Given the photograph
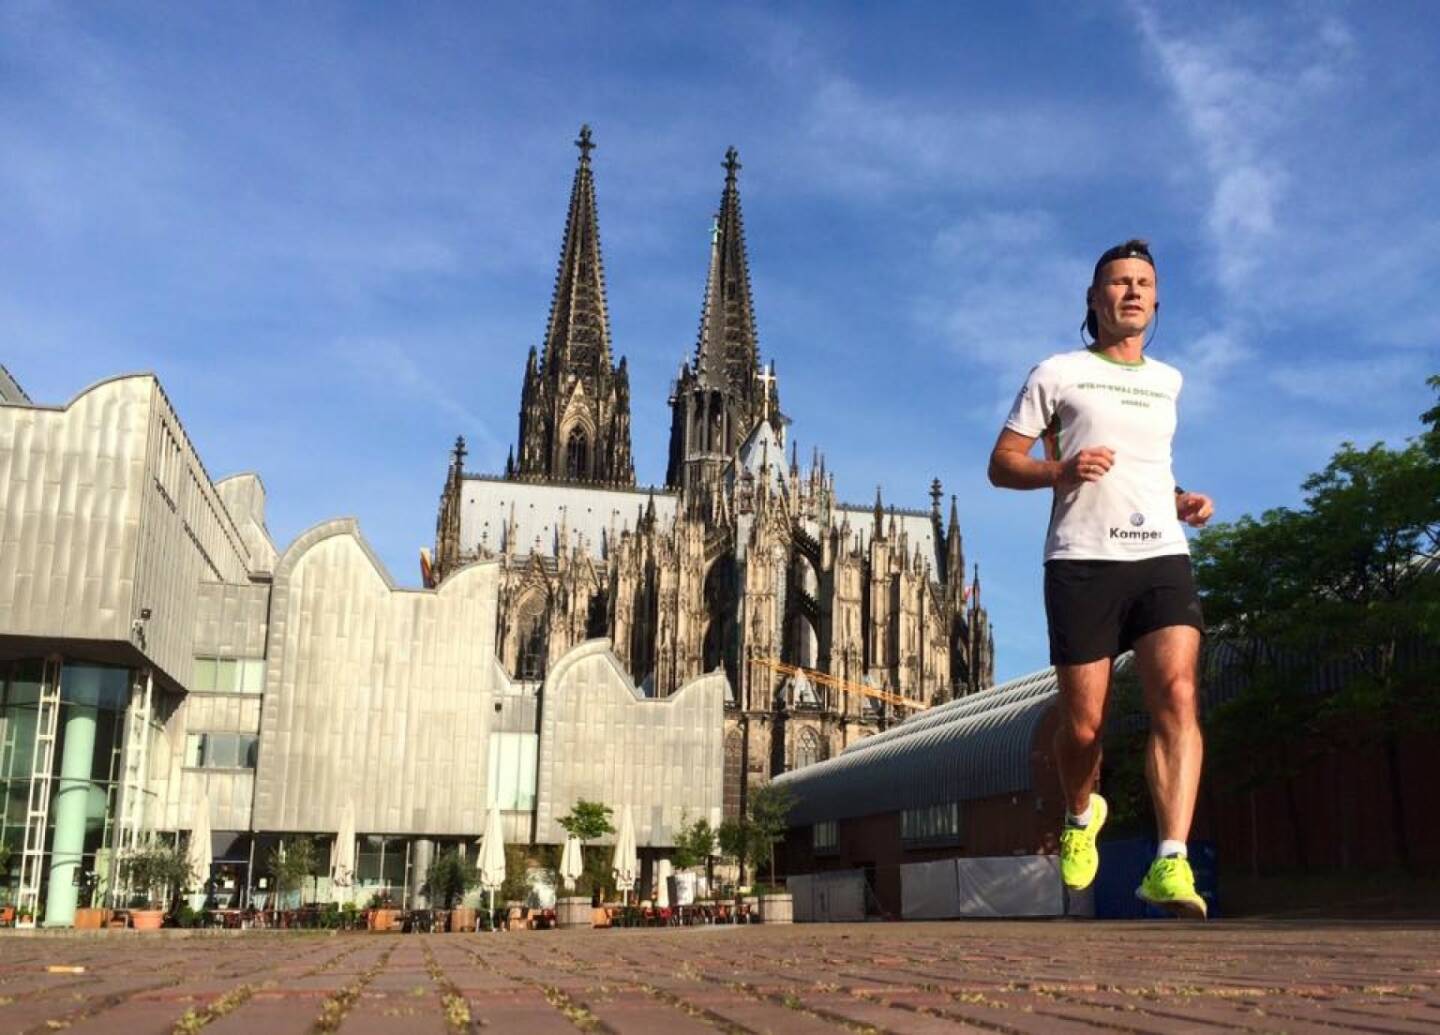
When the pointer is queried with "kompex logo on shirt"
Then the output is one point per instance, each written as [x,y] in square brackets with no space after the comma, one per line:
[1138,535]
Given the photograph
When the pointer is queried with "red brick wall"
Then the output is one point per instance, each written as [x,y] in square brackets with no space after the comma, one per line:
[1336,811]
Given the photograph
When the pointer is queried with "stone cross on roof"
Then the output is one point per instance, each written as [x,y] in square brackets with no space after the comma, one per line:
[767,378]
[732,164]
[585,143]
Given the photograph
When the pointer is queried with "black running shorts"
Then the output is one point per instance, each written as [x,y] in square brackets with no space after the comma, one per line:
[1098,609]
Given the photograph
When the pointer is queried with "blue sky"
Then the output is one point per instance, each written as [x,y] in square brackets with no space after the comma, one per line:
[332,230]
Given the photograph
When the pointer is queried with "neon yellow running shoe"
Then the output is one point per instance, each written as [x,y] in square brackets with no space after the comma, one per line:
[1171,885]
[1079,860]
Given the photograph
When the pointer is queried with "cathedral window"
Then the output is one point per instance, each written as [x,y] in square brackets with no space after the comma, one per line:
[734,774]
[807,749]
[577,455]
[533,642]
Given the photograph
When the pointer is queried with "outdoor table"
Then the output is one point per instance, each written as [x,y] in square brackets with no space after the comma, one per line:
[226,918]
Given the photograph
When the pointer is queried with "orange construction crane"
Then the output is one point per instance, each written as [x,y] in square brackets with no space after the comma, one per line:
[845,686]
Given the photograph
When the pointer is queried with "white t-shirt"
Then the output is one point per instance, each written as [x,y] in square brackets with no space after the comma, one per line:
[1085,399]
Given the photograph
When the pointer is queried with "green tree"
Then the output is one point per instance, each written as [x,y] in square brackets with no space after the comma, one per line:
[694,844]
[769,813]
[450,877]
[290,863]
[588,820]
[516,886]
[1348,577]
[733,838]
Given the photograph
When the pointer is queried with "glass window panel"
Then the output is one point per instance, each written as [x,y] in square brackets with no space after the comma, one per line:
[195,749]
[367,859]
[393,871]
[509,770]
[252,675]
[221,752]
[525,778]
[492,783]
[204,675]
[249,751]
[225,675]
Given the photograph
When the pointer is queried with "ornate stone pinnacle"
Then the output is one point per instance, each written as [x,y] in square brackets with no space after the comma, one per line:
[585,144]
[732,164]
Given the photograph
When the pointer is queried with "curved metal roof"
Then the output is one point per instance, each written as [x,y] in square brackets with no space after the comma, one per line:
[973,747]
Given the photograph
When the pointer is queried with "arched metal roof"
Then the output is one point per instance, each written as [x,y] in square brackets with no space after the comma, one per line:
[973,747]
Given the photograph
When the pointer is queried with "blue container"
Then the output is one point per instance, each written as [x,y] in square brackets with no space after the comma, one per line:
[1122,867]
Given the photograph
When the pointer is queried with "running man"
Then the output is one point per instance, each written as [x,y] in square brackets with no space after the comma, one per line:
[1117,566]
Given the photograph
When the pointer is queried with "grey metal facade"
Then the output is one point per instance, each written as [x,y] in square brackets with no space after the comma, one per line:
[116,547]
[106,512]
[603,740]
[374,694]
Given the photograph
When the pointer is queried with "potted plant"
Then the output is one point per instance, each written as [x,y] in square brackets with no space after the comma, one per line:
[150,871]
[586,821]
[769,811]
[91,917]
[449,880]
[383,913]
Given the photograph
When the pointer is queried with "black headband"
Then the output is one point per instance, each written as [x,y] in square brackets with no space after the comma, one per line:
[1128,250]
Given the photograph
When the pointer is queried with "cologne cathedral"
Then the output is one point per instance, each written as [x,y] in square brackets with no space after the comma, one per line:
[742,561]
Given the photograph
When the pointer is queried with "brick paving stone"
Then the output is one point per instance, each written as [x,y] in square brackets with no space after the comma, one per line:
[884,1018]
[270,1013]
[519,1009]
[1286,1012]
[135,1015]
[766,1017]
[1171,1010]
[1022,1021]
[630,1010]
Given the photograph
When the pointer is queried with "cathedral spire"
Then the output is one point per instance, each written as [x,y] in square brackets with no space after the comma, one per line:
[723,394]
[577,339]
[575,403]
[727,354]
[955,550]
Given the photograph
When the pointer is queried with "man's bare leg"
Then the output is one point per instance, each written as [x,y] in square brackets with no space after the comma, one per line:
[1166,659]
[1083,689]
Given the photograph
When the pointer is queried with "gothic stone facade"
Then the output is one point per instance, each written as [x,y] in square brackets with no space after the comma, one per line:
[742,559]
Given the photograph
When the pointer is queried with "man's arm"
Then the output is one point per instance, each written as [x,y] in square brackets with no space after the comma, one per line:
[1012,466]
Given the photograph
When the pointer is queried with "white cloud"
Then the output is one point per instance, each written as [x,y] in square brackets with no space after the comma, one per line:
[1009,292]
[1346,382]
[388,365]
[1244,89]
[1206,361]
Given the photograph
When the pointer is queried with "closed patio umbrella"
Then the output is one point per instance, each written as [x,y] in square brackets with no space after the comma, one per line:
[663,869]
[492,855]
[572,863]
[342,858]
[625,863]
[198,853]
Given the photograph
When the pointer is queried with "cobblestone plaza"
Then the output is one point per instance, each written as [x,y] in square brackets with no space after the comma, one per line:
[1000,976]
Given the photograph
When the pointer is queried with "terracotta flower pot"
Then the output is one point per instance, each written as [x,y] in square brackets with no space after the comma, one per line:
[91,919]
[147,919]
